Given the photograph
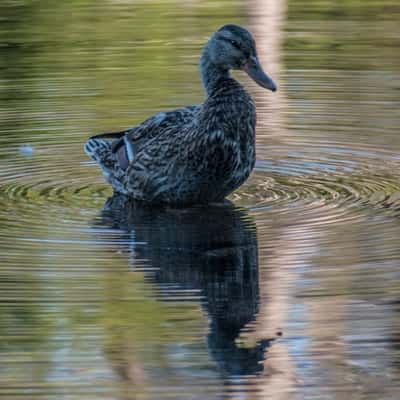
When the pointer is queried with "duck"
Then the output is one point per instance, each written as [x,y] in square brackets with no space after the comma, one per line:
[196,154]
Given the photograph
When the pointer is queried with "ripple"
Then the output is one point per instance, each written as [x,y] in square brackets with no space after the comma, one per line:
[52,183]
[322,187]
[47,199]
[320,184]
[93,297]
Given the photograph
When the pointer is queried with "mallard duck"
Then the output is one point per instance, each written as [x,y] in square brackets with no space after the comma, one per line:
[197,154]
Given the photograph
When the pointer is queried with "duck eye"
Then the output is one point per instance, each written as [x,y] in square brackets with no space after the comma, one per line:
[235,44]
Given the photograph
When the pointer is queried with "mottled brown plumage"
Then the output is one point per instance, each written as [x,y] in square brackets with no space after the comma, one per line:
[196,154]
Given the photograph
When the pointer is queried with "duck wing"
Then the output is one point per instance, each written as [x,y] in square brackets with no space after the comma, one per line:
[126,144]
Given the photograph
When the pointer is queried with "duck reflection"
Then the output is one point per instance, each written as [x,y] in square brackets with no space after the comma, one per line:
[209,249]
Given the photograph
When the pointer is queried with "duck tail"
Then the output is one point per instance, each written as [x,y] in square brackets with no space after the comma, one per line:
[99,147]
[99,150]
[103,152]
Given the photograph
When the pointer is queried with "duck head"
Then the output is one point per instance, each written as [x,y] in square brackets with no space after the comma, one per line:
[233,47]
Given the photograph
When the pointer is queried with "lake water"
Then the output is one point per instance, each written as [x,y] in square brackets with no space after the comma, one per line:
[290,292]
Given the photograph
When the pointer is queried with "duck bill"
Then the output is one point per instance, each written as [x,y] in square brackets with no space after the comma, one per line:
[253,68]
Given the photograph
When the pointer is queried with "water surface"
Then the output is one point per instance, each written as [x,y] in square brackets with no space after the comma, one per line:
[289,291]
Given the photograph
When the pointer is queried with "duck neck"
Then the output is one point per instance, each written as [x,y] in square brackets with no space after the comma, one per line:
[211,73]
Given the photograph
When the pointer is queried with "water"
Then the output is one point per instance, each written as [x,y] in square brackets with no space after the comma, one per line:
[291,291]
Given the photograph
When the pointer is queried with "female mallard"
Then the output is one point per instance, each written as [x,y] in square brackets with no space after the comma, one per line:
[196,154]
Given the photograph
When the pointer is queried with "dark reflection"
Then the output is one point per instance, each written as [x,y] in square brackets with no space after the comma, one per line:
[212,249]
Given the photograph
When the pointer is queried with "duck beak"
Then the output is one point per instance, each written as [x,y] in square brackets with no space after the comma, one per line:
[253,68]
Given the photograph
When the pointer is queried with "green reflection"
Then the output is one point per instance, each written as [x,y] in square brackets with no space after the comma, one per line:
[108,64]
[68,69]
[347,34]
[72,319]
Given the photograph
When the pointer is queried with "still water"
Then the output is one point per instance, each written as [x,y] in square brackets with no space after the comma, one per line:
[289,292]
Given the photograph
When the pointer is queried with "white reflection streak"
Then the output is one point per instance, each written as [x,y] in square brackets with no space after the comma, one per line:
[266,20]
[293,244]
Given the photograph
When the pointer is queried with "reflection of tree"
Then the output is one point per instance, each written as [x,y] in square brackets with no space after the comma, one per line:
[209,250]
[267,18]
[89,66]
[323,35]
[323,40]
[24,328]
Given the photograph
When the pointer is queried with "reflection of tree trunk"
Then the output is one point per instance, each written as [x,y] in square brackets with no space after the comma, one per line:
[276,283]
[266,20]
[328,318]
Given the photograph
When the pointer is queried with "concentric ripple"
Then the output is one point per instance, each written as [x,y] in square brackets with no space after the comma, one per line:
[319,184]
